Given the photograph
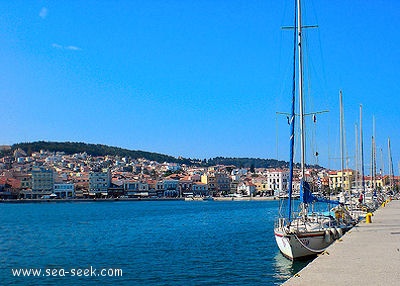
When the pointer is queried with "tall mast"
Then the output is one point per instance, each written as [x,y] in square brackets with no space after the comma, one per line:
[341,139]
[301,102]
[382,171]
[292,120]
[356,161]
[391,178]
[362,153]
[373,154]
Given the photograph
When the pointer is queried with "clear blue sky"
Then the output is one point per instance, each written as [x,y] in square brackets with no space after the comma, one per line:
[196,78]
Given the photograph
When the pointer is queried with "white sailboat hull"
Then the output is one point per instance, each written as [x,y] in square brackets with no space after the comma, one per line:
[298,243]
[297,247]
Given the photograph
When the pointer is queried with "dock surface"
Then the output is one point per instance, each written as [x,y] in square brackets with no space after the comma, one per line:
[369,254]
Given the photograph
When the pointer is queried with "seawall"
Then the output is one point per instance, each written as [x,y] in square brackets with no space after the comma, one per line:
[369,254]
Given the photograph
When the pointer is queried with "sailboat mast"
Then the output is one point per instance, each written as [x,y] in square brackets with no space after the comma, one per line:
[341,139]
[301,101]
[373,155]
[382,171]
[391,175]
[362,154]
[356,161]
[292,123]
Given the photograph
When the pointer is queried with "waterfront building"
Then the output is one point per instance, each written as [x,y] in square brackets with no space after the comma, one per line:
[171,187]
[262,187]
[64,190]
[375,183]
[209,179]
[218,183]
[223,183]
[42,180]
[131,187]
[143,189]
[235,180]
[277,180]
[200,189]
[81,182]
[246,188]
[9,188]
[152,187]
[341,179]
[99,182]
[160,188]
[116,189]
[26,182]
[135,188]
[379,183]
[185,186]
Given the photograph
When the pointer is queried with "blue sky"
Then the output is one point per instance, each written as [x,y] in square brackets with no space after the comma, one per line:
[197,79]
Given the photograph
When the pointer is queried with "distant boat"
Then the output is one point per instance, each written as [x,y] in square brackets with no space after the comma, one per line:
[208,198]
[199,198]
[305,233]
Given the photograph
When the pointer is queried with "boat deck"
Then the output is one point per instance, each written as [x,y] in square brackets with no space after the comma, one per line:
[368,254]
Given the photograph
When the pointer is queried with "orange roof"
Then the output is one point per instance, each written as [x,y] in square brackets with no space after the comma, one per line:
[14,183]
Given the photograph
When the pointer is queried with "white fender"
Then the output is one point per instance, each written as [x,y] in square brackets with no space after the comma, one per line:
[327,236]
[334,232]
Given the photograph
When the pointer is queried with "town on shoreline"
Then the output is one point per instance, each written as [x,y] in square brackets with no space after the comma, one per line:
[44,175]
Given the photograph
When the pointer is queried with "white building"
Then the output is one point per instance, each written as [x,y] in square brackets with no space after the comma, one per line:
[246,188]
[64,190]
[277,179]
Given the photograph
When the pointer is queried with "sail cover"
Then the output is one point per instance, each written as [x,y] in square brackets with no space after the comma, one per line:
[307,197]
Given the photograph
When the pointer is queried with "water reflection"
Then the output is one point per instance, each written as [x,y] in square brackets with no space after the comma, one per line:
[285,268]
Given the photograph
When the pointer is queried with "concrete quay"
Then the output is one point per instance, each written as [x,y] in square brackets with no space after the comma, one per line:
[369,254]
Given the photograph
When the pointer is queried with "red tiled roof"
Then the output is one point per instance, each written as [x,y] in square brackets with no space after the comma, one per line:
[14,183]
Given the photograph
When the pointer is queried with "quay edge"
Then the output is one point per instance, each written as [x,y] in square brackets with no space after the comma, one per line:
[369,254]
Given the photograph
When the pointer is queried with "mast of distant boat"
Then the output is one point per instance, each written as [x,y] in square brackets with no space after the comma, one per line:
[356,161]
[391,175]
[373,156]
[362,156]
[342,143]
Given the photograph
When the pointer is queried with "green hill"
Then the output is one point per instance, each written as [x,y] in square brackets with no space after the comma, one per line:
[92,149]
[103,150]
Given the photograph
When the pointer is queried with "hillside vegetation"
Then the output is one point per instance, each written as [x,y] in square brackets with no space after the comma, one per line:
[103,150]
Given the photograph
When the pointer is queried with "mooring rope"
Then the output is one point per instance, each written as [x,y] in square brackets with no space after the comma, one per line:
[306,247]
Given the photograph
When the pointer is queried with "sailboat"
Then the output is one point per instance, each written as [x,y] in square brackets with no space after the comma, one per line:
[303,234]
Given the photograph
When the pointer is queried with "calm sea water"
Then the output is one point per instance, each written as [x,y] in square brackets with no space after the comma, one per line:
[154,243]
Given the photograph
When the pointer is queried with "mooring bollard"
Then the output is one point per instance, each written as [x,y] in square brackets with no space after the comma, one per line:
[368,218]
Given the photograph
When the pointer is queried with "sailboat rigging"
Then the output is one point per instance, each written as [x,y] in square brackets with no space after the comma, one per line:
[303,234]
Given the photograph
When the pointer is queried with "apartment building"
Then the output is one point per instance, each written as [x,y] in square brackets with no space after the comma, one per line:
[99,182]
[341,179]
[218,183]
[277,180]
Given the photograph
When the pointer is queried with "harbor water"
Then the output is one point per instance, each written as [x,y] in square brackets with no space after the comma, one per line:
[142,243]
